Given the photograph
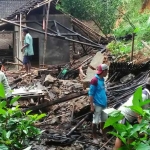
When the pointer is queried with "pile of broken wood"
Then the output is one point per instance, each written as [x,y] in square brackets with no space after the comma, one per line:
[68,121]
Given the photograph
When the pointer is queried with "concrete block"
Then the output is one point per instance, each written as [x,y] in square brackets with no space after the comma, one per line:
[97,60]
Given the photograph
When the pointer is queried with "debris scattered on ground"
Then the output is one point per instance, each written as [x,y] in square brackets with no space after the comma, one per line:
[61,95]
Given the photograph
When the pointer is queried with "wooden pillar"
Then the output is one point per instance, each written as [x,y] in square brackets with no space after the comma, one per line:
[46,26]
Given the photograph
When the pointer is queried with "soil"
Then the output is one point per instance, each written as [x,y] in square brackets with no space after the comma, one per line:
[138,57]
[146,5]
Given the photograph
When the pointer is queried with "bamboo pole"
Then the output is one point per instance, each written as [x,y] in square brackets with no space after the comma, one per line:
[20,28]
[54,35]
[46,26]
[133,35]
[20,37]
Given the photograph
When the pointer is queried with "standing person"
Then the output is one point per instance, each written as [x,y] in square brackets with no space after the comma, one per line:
[27,50]
[129,115]
[4,82]
[98,100]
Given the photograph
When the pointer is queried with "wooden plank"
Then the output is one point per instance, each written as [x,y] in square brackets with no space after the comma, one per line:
[57,101]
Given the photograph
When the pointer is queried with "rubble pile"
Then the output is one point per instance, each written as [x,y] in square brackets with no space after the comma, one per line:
[68,121]
[59,88]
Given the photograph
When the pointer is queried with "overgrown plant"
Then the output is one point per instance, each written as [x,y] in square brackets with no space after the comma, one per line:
[16,127]
[140,21]
[130,134]
[124,13]
[119,48]
[103,13]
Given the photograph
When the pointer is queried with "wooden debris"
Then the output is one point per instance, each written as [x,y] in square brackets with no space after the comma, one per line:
[57,101]
[74,128]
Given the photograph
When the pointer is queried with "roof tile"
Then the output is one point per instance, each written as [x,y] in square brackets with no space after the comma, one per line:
[7,7]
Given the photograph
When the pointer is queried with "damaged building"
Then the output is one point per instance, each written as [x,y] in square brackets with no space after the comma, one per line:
[60,33]
[65,48]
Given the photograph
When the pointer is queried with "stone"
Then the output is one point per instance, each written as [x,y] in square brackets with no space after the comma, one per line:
[49,79]
[56,90]
[127,78]
[91,148]
[55,120]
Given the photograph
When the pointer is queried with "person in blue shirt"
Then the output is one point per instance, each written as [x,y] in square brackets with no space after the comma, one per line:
[27,50]
[98,100]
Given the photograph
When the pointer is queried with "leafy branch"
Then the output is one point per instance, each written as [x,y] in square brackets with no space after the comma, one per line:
[16,127]
[127,132]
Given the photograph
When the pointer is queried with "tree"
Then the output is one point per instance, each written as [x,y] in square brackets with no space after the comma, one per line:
[103,12]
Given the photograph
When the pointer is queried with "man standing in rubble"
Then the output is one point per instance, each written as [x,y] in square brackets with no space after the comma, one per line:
[98,100]
[131,116]
[27,50]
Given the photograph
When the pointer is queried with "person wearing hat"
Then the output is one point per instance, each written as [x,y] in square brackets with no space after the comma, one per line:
[98,100]
[129,115]
[27,50]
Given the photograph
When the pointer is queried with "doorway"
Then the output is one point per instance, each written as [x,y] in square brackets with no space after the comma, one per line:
[35,59]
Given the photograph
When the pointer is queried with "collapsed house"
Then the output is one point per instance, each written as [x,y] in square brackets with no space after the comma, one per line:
[70,44]
[53,32]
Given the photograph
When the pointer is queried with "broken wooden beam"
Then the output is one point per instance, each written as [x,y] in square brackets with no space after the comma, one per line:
[56,35]
[74,128]
[16,81]
[57,101]
[19,59]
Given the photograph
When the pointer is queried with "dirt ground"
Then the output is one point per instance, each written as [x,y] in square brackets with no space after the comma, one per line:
[138,57]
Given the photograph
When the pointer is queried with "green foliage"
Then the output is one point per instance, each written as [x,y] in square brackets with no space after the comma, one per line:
[2,91]
[119,48]
[130,9]
[103,13]
[116,115]
[142,27]
[77,8]
[16,127]
[142,30]
[127,132]
[132,22]
[137,97]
